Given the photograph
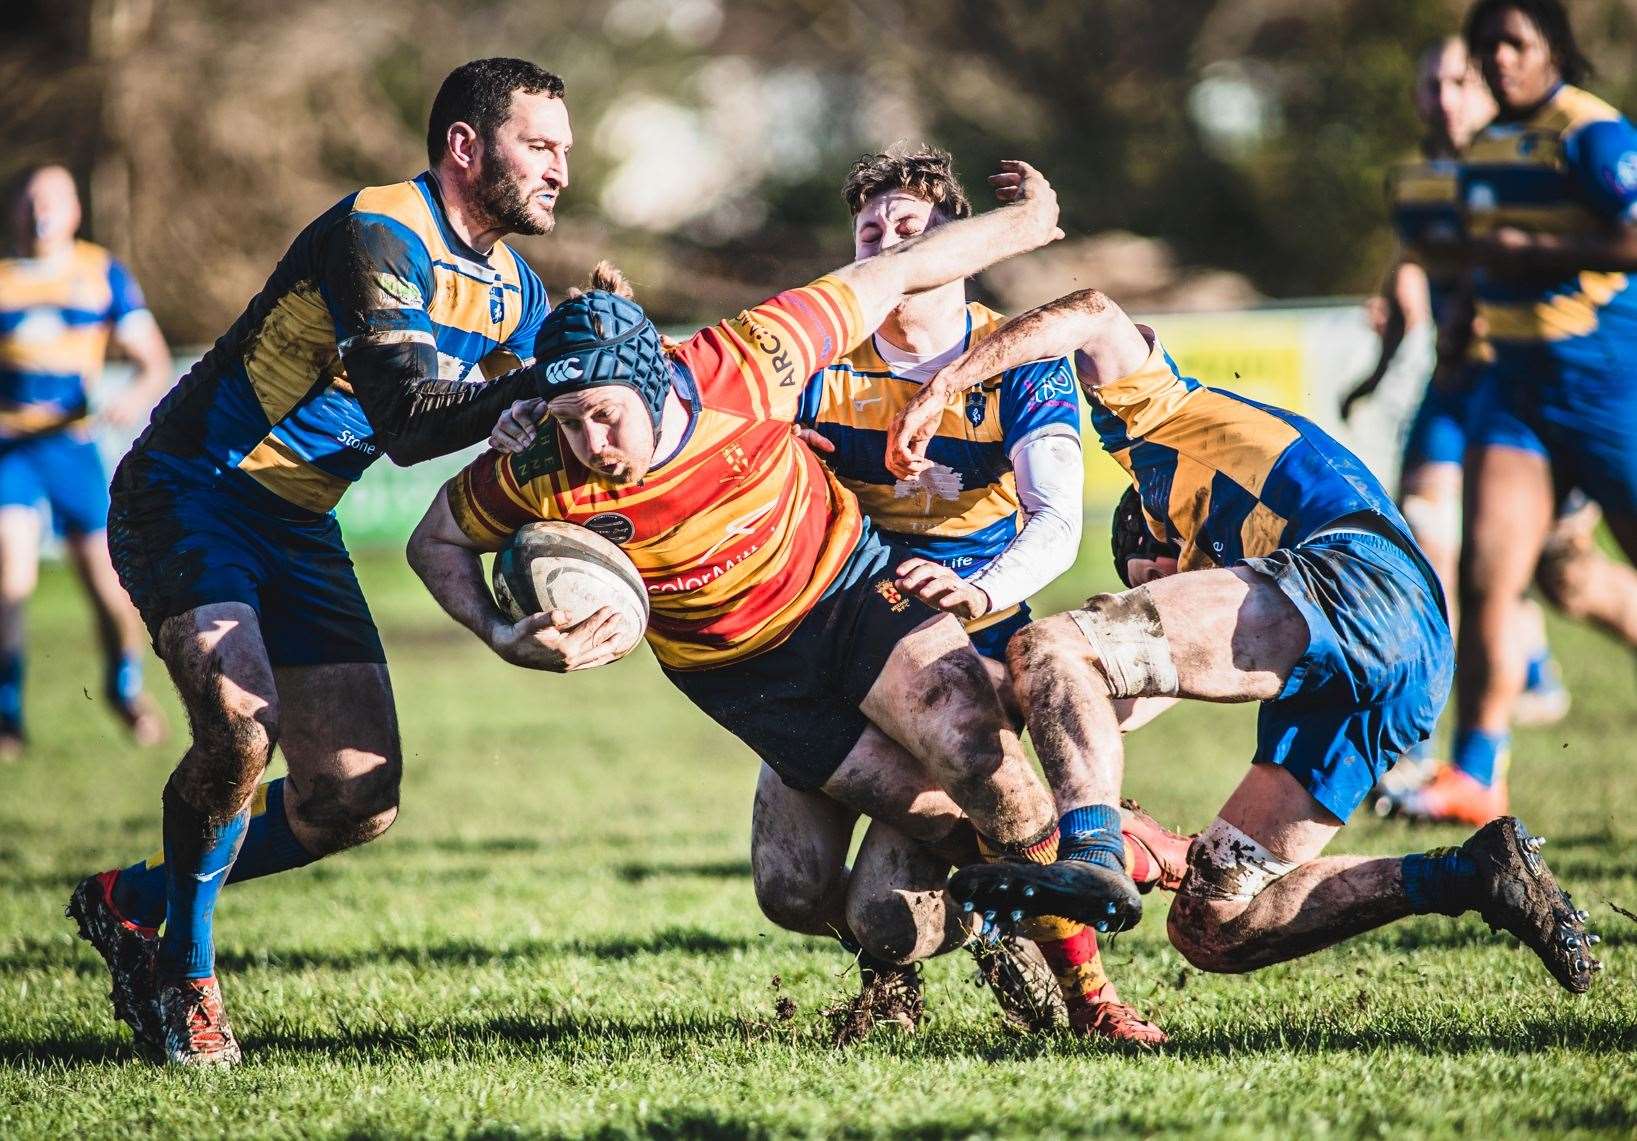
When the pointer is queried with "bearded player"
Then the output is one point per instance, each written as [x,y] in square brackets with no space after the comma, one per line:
[374,336]
[1291,579]
[774,602]
[61,301]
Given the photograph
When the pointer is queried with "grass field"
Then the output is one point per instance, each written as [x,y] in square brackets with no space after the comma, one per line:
[559,937]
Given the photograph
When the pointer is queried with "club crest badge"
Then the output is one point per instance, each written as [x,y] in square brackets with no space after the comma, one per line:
[977,407]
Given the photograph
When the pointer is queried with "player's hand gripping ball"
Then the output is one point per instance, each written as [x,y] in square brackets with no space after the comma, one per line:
[560,566]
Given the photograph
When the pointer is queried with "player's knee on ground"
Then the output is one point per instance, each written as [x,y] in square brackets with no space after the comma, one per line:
[898,926]
[793,901]
[1227,870]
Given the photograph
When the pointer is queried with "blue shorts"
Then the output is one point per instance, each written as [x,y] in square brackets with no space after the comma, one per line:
[61,469]
[1376,670]
[1583,422]
[991,640]
[184,534]
[1438,432]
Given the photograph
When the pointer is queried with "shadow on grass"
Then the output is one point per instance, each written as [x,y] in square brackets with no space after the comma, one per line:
[470,952]
[705,869]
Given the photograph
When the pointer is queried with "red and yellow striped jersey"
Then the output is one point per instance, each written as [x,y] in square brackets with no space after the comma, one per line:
[742,530]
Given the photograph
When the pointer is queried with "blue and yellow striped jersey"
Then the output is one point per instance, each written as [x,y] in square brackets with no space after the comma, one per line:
[1424,203]
[56,315]
[963,511]
[1226,478]
[381,279]
[1570,168]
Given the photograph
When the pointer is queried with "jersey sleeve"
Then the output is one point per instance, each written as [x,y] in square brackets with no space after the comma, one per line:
[762,361]
[1602,156]
[1039,399]
[495,494]
[124,294]
[375,277]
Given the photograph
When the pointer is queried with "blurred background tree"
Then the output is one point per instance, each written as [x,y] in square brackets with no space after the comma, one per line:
[1207,152]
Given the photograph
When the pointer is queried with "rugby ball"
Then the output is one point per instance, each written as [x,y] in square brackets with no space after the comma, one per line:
[560,566]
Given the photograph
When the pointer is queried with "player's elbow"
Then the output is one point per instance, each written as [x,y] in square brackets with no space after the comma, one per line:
[404,452]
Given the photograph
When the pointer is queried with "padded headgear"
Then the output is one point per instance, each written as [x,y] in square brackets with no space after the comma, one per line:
[600,338]
[1131,537]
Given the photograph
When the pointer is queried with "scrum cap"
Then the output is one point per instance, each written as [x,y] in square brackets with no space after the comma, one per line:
[600,338]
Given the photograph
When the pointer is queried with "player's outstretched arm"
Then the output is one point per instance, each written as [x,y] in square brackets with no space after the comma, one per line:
[1085,325]
[1025,220]
[447,561]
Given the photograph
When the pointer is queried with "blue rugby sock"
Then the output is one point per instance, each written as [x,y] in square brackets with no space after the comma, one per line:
[1536,672]
[122,677]
[1439,882]
[1478,754]
[269,847]
[11,692]
[1092,833]
[198,854]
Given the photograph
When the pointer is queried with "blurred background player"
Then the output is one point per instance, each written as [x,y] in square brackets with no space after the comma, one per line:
[1550,196]
[61,301]
[394,325]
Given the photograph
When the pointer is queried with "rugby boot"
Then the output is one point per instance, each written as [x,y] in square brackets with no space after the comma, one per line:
[128,950]
[1103,1015]
[142,719]
[1516,892]
[194,1024]
[1452,797]
[888,994]
[1156,856]
[1017,974]
[1544,703]
[1007,890]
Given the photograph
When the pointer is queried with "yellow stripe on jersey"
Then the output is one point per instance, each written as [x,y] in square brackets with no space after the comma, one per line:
[296,344]
[1555,318]
[273,465]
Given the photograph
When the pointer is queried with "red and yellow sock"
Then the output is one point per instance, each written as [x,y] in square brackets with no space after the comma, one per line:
[1070,947]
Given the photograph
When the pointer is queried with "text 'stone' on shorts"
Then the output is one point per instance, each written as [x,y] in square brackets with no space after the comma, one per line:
[184,534]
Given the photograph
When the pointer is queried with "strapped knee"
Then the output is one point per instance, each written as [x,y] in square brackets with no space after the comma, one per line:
[1128,644]
[1225,864]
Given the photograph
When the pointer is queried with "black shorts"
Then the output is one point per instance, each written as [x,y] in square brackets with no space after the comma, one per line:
[797,704]
[183,535]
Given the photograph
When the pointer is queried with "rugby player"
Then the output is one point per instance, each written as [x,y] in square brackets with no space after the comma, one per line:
[1275,569]
[1550,195]
[994,520]
[61,301]
[373,337]
[1424,291]
[775,605]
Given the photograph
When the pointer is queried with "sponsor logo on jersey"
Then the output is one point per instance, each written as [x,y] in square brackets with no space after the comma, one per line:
[406,293]
[613,526]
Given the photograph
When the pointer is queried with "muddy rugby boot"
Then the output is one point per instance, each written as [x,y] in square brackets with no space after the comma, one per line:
[1103,1015]
[194,1024]
[888,995]
[128,950]
[1008,890]
[1017,974]
[1166,851]
[1516,892]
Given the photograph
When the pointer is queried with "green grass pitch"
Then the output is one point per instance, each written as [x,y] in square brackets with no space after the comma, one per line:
[559,938]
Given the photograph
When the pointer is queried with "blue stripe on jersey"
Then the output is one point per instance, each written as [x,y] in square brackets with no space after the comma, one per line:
[861,454]
[65,390]
[964,554]
[330,431]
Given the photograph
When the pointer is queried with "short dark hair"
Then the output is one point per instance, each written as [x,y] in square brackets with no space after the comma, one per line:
[1547,15]
[480,93]
[926,172]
